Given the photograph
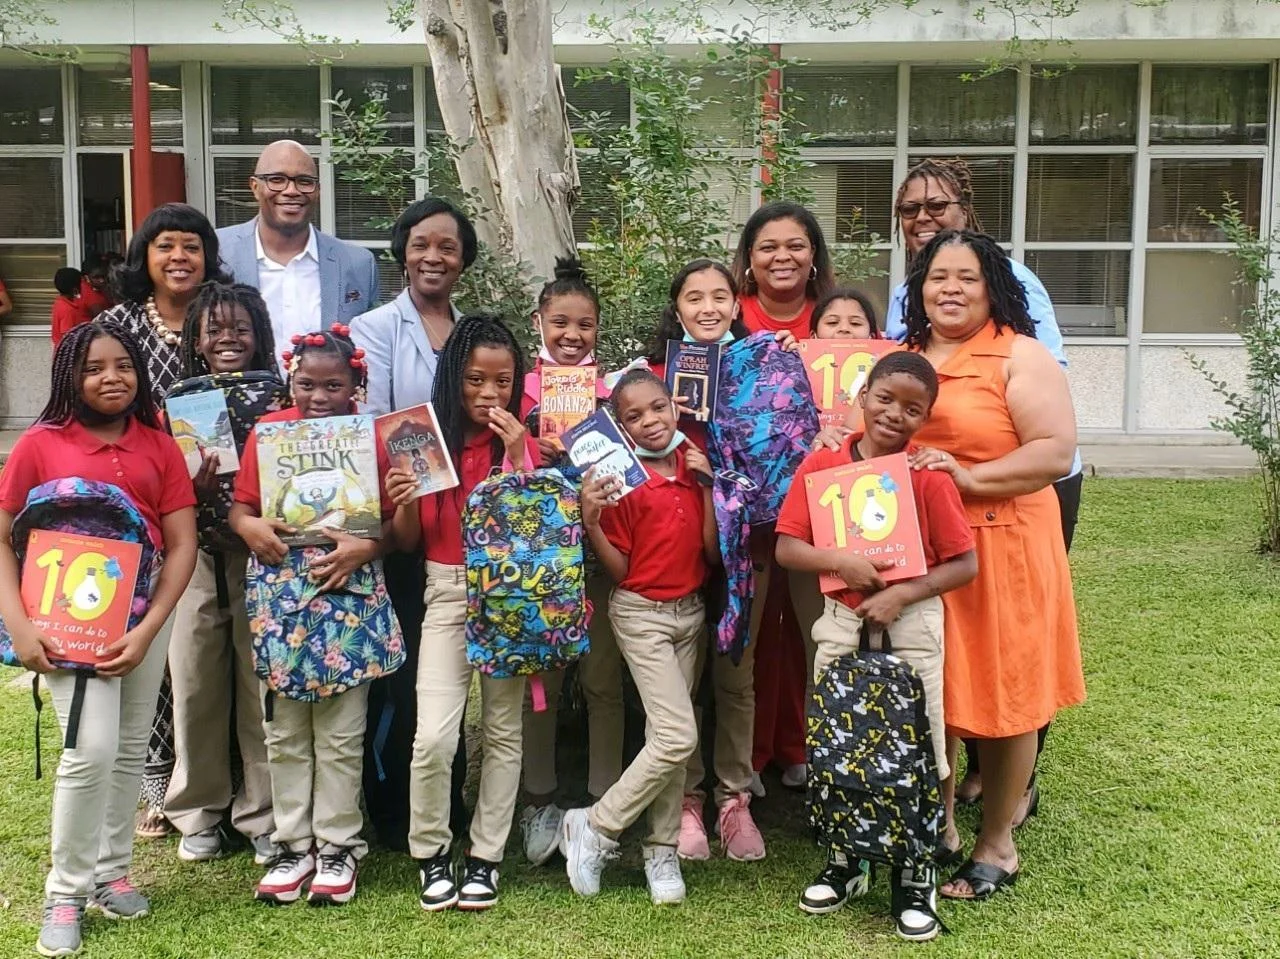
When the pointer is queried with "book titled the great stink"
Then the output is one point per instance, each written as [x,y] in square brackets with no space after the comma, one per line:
[319,474]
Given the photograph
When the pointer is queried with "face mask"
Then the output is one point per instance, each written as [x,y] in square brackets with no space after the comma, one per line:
[727,338]
[676,439]
[544,354]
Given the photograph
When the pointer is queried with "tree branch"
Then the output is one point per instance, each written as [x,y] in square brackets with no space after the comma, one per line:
[485,66]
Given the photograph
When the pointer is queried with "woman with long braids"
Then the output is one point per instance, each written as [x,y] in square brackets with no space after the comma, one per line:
[1003,428]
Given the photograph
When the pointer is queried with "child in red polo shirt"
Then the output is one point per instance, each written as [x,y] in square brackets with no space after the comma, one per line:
[68,306]
[656,542]
[477,397]
[100,424]
[895,400]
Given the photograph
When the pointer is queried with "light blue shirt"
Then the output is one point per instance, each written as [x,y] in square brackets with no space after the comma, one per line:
[1039,306]
[402,364]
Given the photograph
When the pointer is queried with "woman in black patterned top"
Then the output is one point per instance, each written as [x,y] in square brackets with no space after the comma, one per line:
[171,254]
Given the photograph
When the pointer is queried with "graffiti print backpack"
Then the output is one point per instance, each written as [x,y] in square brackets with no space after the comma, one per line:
[873,787]
[527,608]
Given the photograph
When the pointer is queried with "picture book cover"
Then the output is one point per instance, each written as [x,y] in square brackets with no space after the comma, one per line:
[320,474]
[414,443]
[598,441]
[201,424]
[867,507]
[693,373]
[78,591]
[568,398]
[837,371]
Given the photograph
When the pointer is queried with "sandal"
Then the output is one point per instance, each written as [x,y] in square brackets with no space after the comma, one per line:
[151,824]
[1033,804]
[944,857]
[984,879]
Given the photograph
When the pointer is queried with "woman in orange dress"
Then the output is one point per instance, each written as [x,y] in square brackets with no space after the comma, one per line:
[1003,427]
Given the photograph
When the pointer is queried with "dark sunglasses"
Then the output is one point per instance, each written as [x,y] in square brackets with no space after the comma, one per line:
[276,182]
[910,209]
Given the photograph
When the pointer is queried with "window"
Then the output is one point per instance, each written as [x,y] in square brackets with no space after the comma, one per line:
[1183,191]
[1089,289]
[31,197]
[1192,292]
[27,271]
[1085,104]
[394,87]
[587,96]
[840,188]
[31,108]
[846,108]
[1209,104]
[360,214]
[601,98]
[259,105]
[1076,198]
[947,111]
[105,107]
[233,200]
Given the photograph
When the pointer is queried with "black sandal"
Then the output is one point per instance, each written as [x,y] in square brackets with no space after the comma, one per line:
[944,857]
[984,879]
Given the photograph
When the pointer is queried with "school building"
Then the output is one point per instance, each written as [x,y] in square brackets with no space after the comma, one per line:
[1096,177]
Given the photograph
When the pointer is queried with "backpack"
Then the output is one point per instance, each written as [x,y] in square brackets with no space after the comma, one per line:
[527,609]
[309,645]
[874,791]
[250,396]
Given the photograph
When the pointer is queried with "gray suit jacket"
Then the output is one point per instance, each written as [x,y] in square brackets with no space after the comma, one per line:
[348,273]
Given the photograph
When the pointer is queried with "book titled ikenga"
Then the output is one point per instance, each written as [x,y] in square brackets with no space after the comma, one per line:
[319,474]
[415,444]
[568,398]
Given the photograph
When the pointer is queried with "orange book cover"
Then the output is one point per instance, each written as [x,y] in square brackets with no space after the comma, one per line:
[568,398]
[414,443]
[868,508]
[837,370]
[78,591]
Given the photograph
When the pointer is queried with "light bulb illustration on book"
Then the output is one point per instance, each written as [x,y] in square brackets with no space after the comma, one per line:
[879,513]
[873,514]
[88,594]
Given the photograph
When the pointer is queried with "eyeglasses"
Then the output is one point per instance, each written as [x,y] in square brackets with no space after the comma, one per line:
[910,209]
[276,182]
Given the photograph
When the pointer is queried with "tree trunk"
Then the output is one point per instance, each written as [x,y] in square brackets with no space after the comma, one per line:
[501,98]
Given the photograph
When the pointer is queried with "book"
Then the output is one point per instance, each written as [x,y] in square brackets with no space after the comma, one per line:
[693,375]
[78,591]
[568,398]
[598,442]
[320,474]
[837,370]
[200,424]
[414,443]
[868,508]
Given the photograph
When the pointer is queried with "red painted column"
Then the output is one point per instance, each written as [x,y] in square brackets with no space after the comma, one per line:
[143,185]
[769,106]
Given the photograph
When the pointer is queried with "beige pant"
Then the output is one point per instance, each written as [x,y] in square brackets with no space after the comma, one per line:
[444,679]
[316,756]
[211,667]
[808,602]
[660,642]
[600,673]
[916,636]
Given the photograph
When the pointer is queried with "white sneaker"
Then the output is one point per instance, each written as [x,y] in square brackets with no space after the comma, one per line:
[287,873]
[796,777]
[839,881]
[662,872]
[586,852]
[541,829]
[335,879]
[756,786]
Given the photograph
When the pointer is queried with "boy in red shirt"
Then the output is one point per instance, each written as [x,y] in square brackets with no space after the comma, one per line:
[68,312]
[896,400]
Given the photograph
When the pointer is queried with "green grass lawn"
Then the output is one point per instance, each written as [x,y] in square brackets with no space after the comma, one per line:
[1159,834]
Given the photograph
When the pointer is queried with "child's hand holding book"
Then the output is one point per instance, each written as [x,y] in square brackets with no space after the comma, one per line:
[261,535]
[860,574]
[599,492]
[402,486]
[336,566]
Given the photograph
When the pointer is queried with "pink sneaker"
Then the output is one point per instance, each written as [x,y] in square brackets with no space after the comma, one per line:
[738,833]
[693,835]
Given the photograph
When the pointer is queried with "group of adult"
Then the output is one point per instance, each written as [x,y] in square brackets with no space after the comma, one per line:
[1002,426]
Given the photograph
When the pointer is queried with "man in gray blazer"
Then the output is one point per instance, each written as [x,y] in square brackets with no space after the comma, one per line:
[308,279]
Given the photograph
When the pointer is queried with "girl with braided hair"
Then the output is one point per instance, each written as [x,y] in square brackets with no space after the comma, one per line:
[101,425]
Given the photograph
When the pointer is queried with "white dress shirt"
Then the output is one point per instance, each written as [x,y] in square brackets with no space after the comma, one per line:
[291,292]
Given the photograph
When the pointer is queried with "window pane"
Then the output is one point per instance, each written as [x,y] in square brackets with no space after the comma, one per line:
[729,111]
[839,189]
[845,107]
[27,272]
[1216,104]
[261,105]
[595,96]
[869,276]
[1080,198]
[1089,289]
[363,211]
[1085,104]
[106,107]
[390,276]
[233,201]
[596,204]
[1192,291]
[31,197]
[1183,190]
[948,111]
[31,107]
[393,86]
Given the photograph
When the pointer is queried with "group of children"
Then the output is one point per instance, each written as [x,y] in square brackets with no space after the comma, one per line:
[82,294]
[649,556]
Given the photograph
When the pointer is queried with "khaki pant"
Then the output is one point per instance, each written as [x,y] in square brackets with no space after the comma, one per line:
[809,603]
[211,667]
[660,642]
[316,756]
[444,679]
[600,673]
[916,636]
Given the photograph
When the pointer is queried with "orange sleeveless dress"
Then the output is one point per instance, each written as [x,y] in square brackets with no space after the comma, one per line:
[1012,650]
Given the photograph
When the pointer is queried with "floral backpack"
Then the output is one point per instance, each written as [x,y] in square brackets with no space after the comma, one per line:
[527,608]
[309,645]
[75,505]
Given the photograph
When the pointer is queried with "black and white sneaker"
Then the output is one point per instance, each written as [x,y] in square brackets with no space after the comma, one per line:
[439,891]
[914,901]
[839,880]
[479,888]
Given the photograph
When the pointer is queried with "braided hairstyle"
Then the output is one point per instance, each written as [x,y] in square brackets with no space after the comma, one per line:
[1007,298]
[911,364]
[955,175]
[570,277]
[336,341]
[214,296]
[65,401]
[669,325]
[473,330]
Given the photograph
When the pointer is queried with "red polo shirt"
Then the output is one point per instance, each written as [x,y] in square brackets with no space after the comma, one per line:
[659,528]
[92,300]
[756,319]
[145,463]
[65,316]
[944,528]
[440,514]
